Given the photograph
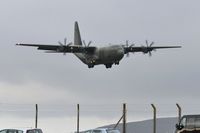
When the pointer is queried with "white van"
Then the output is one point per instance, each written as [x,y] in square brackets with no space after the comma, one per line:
[34,130]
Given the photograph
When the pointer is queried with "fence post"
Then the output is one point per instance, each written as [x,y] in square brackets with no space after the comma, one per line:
[36,116]
[154,118]
[124,118]
[179,111]
[78,112]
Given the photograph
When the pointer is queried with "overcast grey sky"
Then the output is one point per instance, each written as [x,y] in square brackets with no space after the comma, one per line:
[28,76]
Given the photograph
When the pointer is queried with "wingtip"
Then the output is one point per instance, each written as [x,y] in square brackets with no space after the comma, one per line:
[17,44]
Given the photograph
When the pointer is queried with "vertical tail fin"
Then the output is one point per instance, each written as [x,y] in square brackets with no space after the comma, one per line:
[77,36]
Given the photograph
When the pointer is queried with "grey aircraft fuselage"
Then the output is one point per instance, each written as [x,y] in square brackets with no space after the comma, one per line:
[104,55]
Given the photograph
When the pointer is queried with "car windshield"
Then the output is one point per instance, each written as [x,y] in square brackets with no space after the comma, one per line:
[97,131]
[113,131]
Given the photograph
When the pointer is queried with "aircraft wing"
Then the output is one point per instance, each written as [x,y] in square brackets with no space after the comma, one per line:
[146,49]
[61,48]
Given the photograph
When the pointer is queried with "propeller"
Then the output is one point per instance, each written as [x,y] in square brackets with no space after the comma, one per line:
[149,46]
[87,44]
[147,43]
[127,46]
[63,45]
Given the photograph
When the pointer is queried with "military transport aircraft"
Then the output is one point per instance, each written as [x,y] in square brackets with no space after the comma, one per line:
[91,55]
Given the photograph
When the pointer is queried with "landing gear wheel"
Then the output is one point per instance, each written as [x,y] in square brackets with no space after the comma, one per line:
[108,65]
[90,66]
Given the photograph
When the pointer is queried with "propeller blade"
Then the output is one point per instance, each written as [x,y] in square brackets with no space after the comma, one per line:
[65,41]
[89,43]
[126,43]
[69,44]
[151,44]
[60,43]
[150,54]
[84,43]
[132,45]
[147,43]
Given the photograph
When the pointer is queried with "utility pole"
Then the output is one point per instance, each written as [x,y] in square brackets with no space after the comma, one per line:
[78,112]
[124,118]
[36,116]
[179,111]
[154,118]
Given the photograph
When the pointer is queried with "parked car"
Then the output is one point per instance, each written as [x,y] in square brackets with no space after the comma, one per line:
[188,124]
[34,130]
[102,130]
[11,131]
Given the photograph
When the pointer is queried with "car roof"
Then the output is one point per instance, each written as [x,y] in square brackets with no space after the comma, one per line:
[189,116]
[11,129]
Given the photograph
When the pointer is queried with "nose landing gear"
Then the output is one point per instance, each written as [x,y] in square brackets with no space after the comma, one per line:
[91,64]
[117,63]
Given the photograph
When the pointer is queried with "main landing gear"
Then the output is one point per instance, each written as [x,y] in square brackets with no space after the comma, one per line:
[90,65]
[108,65]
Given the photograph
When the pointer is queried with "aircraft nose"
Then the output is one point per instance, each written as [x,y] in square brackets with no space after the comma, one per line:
[120,53]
